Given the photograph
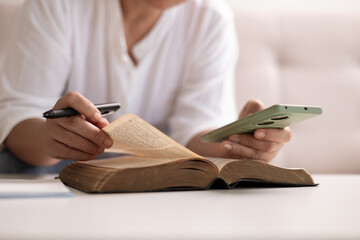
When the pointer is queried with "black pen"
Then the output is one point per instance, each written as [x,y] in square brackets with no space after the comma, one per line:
[105,109]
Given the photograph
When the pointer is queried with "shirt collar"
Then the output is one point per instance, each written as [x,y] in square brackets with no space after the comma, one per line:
[152,39]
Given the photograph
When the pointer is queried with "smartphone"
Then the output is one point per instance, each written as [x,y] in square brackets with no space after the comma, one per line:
[276,116]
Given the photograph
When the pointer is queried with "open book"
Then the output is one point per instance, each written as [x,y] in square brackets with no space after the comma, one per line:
[156,162]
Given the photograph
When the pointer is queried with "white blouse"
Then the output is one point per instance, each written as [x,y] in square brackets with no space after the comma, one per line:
[182,84]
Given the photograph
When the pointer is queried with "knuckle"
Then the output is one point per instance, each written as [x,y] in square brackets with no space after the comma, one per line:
[256,154]
[98,137]
[271,147]
[248,140]
[234,138]
[90,148]
[73,122]
[237,150]
[240,150]
[70,97]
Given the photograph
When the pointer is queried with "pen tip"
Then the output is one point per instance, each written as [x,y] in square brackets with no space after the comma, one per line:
[47,114]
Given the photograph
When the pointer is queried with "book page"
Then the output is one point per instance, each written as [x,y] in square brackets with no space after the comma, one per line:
[220,162]
[131,161]
[237,170]
[131,134]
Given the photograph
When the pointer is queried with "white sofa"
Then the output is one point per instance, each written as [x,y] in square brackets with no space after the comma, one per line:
[305,52]
[295,52]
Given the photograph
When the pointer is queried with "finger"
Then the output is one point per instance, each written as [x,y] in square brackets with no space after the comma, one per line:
[84,128]
[261,145]
[252,106]
[274,134]
[102,123]
[235,150]
[75,141]
[62,151]
[81,104]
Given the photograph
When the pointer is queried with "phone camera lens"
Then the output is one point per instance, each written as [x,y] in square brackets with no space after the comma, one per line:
[265,123]
[279,118]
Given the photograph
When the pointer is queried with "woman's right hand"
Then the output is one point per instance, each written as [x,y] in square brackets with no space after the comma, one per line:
[77,137]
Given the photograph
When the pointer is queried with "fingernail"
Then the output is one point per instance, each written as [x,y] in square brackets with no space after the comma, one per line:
[228,146]
[260,134]
[108,142]
[96,117]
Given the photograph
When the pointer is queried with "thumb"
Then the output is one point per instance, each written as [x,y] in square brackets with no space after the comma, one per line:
[252,106]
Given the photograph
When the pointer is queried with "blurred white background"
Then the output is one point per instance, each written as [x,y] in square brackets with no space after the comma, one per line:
[295,52]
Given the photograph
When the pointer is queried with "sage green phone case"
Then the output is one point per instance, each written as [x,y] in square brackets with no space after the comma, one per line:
[276,116]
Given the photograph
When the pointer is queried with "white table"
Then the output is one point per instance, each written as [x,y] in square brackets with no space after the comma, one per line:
[329,211]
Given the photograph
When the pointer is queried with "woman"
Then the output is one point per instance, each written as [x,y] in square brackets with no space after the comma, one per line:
[170,62]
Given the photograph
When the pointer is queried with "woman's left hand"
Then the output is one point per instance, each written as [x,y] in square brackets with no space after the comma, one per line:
[263,144]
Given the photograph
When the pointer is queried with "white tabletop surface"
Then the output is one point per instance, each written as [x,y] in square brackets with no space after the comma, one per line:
[328,211]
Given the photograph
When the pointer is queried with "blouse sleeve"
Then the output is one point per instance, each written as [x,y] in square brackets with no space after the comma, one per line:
[206,98]
[37,63]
